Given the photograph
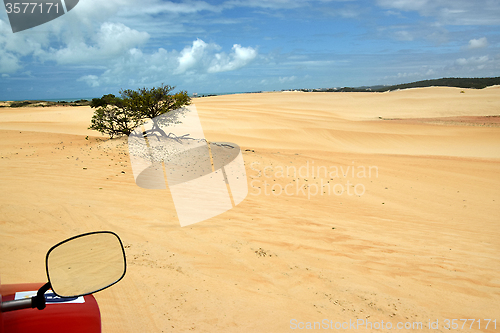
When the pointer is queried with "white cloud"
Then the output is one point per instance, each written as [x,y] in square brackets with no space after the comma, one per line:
[424,72]
[88,12]
[14,46]
[20,44]
[188,7]
[477,43]
[349,12]
[403,35]
[312,63]
[110,41]
[194,62]
[453,12]
[287,79]
[240,57]
[9,63]
[9,60]
[280,4]
[472,61]
[113,38]
[191,56]
[270,4]
[475,66]
[405,5]
[136,68]
[91,80]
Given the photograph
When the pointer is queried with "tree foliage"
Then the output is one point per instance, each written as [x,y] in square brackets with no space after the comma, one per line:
[106,100]
[151,103]
[114,121]
[115,116]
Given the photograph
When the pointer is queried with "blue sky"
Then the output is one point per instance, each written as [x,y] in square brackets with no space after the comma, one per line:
[100,47]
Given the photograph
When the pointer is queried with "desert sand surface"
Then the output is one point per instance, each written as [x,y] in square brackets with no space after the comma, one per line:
[414,235]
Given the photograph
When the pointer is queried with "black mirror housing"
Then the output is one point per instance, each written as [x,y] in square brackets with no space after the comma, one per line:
[85,264]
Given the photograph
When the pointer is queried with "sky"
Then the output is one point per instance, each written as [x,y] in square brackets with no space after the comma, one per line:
[101,47]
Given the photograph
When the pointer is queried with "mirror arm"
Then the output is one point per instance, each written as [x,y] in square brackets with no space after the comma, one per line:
[39,300]
[18,304]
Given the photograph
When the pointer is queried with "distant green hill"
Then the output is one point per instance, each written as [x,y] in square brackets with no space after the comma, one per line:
[475,83]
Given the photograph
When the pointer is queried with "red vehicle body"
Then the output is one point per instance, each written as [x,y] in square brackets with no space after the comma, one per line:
[55,318]
[76,268]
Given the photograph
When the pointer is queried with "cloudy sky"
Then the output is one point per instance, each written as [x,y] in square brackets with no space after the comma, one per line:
[217,46]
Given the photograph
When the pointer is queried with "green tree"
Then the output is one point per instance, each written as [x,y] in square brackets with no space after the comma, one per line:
[117,116]
[106,100]
[114,121]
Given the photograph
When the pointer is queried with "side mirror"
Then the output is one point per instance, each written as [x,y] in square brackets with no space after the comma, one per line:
[78,266]
[85,264]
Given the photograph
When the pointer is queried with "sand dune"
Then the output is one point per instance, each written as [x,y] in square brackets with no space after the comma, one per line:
[413,237]
[60,119]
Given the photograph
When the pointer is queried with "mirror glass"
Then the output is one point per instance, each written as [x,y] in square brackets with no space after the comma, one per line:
[85,264]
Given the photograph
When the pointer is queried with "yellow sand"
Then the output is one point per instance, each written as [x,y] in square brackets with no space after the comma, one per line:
[420,241]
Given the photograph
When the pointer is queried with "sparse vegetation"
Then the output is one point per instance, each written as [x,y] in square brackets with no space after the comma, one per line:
[19,104]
